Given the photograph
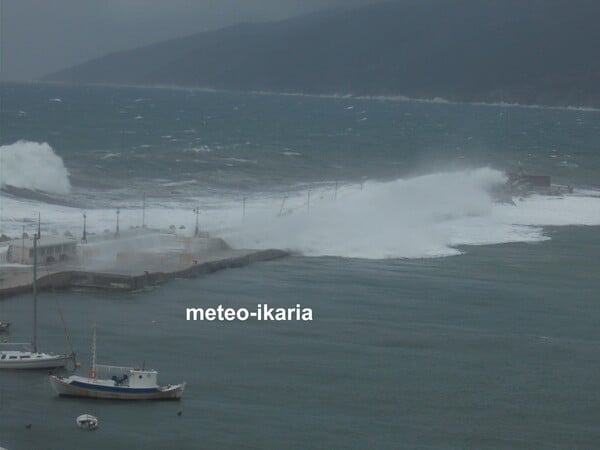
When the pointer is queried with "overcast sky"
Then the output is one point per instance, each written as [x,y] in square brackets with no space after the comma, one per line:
[38,37]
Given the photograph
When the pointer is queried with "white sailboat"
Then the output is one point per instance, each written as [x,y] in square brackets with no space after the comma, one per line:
[32,359]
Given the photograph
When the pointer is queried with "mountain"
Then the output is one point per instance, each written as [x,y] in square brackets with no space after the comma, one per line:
[525,51]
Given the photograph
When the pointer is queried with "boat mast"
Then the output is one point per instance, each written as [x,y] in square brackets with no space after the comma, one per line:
[92,373]
[35,238]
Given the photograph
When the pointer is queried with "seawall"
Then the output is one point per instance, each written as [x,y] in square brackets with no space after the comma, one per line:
[134,278]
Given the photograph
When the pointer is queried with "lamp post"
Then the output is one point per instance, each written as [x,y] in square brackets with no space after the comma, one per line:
[84,237]
[144,211]
[118,212]
[196,211]
[23,246]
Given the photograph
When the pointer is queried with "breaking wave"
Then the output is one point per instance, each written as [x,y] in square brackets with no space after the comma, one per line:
[425,216]
[33,166]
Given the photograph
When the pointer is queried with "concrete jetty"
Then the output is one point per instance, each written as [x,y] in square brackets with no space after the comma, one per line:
[132,262]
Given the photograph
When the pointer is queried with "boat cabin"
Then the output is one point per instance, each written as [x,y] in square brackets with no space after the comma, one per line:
[143,378]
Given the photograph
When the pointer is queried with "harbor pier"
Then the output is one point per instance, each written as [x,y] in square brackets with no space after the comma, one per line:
[132,262]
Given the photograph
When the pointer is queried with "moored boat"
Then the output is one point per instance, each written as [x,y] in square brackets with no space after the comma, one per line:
[29,357]
[87,422]
[23,359]
[133,384]
[116,383]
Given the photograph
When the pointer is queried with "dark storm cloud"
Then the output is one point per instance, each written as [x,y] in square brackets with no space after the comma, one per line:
[42,36]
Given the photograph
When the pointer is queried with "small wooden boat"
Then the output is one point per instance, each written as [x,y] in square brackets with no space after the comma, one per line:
[4,326]
[116,383]
[132,384]
[87,422]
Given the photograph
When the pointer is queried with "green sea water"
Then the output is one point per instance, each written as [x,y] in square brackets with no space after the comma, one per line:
[439,321]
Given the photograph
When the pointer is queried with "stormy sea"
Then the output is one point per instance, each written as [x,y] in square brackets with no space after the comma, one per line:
[443,316]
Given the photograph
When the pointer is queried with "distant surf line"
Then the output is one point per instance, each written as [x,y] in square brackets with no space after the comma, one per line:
[437,100]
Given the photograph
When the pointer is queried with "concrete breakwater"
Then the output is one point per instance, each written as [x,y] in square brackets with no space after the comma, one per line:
[133,270]
[115,281]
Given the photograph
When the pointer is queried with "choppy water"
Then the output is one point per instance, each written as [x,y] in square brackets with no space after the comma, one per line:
[442,319]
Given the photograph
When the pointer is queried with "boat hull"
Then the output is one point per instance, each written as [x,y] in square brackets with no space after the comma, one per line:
[68,388]
[44,362]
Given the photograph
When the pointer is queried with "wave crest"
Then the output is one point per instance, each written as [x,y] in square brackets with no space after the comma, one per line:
[425,216]
[33,166]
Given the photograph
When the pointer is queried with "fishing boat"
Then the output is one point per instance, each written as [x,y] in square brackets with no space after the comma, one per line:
[4,326]
[116,383]
[28,356]
[87,422]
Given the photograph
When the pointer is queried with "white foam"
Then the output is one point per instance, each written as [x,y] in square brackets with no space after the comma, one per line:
[239,160]
[110,155]
[34,166]
[425,216]
[179,183]
[200,149]
[541,210]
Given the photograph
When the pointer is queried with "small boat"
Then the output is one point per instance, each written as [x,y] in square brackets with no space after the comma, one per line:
[4,326]
[26,359]
[133,384]
[87,422]
[29,357]
[116,383]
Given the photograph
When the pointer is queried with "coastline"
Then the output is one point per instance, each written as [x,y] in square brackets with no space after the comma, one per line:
[350,96]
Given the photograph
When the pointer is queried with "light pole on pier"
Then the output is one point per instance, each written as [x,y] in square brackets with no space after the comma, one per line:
[144,211]
[84,237]
[23,246]
[196,211]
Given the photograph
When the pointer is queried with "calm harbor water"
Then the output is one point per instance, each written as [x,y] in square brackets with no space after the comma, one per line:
[466,324]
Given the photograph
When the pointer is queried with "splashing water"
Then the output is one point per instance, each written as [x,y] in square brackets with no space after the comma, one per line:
[426,216]
[33,166]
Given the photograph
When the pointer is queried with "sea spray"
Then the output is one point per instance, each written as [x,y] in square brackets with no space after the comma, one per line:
[33,166]
[405,218]
[420,217]
[433,215]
